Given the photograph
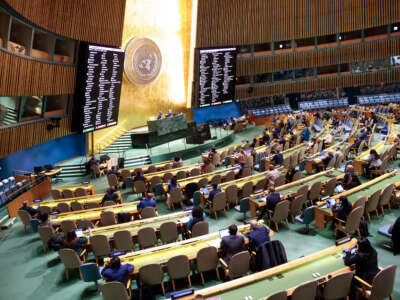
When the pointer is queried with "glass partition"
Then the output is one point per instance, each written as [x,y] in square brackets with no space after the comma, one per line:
[19,36]
[8,110]
[56,105]
[31,108]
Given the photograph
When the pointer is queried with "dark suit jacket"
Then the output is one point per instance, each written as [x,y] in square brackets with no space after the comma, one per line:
[396,236]
[277,159]
[139,178]
[366,264]
[272,200]
[213,193]
[231,245]
[270,254]
[257,237]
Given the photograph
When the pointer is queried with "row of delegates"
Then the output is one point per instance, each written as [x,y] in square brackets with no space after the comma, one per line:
[234,243]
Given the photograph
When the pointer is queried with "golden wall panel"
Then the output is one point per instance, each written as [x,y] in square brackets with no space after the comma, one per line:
[168,23]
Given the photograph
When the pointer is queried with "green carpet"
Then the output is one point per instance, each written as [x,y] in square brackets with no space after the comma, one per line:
[27,273]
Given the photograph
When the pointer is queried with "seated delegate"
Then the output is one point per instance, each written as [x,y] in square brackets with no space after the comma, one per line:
[114,271]
[257,235]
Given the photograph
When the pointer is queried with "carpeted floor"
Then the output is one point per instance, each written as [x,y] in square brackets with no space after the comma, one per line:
[27,273]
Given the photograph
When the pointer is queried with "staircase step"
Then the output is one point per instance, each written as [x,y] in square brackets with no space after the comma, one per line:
[7,223]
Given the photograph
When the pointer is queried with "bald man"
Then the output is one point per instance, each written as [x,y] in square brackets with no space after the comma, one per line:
[350,179]
[257,235]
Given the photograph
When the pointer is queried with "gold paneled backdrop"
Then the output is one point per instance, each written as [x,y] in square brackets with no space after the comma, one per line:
[168,23]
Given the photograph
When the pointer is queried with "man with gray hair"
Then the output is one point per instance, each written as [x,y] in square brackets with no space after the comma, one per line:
[350,179]
[258,235]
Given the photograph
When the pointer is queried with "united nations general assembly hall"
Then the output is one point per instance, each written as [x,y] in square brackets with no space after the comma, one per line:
[199,149]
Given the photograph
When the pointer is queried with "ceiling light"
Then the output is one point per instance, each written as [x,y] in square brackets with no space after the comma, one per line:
[280,46]
[395,28]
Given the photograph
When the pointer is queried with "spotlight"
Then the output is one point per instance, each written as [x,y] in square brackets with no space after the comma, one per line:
[280,46]
[395,28]
[340,37]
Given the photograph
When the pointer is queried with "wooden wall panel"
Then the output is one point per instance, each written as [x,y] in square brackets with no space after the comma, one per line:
[97,21]
[21,137]
[237,22]
[319,84]
[21,76]
[323,57]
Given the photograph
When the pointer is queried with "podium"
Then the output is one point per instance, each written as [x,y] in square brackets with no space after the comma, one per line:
[161,131]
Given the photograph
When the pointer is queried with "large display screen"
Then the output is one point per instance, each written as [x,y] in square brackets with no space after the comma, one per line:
[98,87]
[217,76]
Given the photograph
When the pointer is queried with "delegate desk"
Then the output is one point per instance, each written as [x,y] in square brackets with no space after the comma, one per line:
[187,169]
[209,176]
[323,214]
[145,168]
[84,200]
[316,159]
[360,161]
[287,191]
[286,277]
[88,187]
[188,247]
[94,214]
[181,219]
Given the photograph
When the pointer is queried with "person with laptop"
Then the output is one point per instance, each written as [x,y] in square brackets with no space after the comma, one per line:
[341,209]
[111,195]
[197,216]
[277,159]
[231,244]
[148,201]
[71,241]
[114,271]
[350,179]
[272,199]
[257,235]
[139,177]
[215,191]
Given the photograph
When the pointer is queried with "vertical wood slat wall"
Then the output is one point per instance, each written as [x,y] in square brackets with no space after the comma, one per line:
[21,137]
[96,21]
[238,22]
[323,57]
[21,76]
[319,84]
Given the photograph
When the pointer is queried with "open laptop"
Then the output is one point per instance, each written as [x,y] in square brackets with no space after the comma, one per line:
[79,232]
[224,232]
[339,188]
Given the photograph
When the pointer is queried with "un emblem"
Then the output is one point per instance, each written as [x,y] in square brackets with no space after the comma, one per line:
[143,61]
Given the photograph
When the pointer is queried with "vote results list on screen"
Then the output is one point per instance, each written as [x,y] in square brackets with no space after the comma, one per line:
[99,87]
[217,76]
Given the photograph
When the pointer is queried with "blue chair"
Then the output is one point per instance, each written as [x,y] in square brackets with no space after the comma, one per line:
[12,180]
[3,198]
[34,223]
[384,230]
[6,183]
[243,207]
[308,218]
[159,190]
[227,161]
[90,273]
